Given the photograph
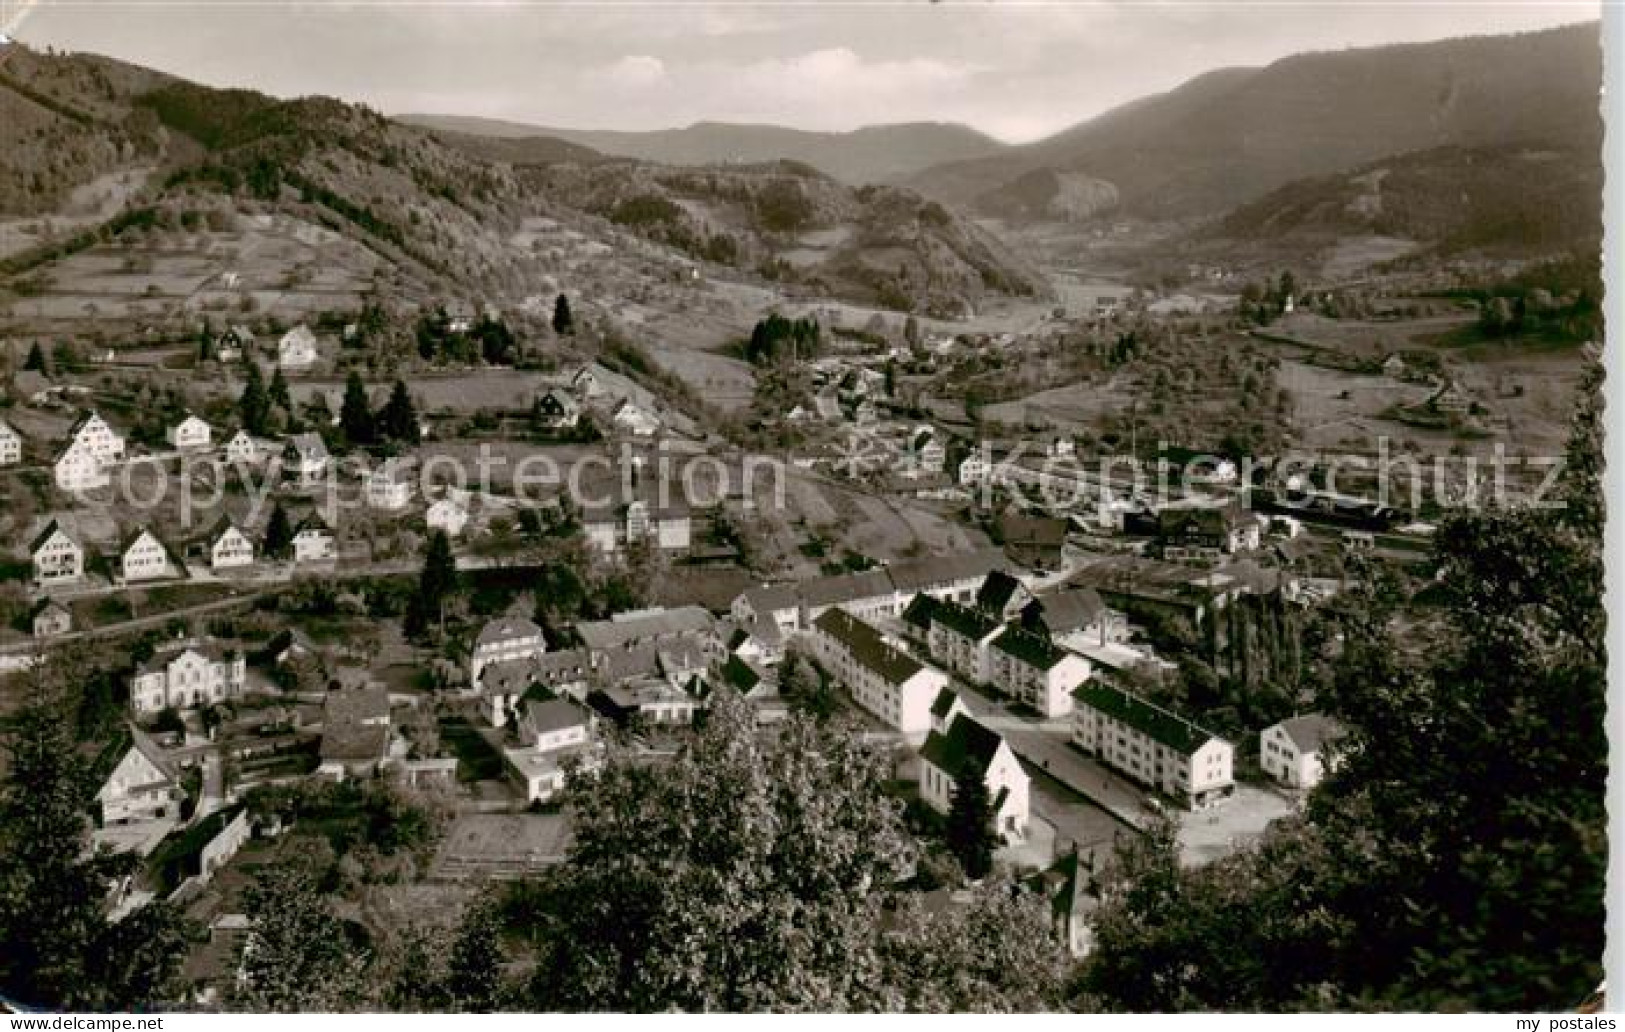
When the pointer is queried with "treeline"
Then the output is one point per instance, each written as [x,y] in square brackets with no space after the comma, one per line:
[775,339]
[487,339]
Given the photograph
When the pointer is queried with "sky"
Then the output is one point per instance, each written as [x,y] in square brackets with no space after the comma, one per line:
[1016,69]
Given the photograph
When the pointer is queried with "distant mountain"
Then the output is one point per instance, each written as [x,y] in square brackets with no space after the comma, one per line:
[1231,136]
[1514,199]
[874,154]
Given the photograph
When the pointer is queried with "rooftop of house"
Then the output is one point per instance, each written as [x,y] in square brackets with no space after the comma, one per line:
[845,587]
[997,589]
[1020,529]
[1064,611]
[918,574]
[351,741]
[356,704]
[1035,650]
[506,629]
[631,629]
[920,610]
[967,741]
[545,716]
[1149,719]
[964,621]
[1312,731]
[868,647]
[944,703]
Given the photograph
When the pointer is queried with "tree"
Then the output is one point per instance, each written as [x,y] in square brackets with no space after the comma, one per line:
[278,533]
[563,322]
[254,405]
[1455,857]
[355,414]
[279,393]
[970,833]
[301,958]
[60,950]
[36,361]
[436,583]
[398,419]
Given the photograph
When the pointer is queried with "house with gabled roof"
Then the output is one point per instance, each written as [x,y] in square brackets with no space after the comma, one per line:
[634,419]
[144,785]
[503,639]
[970,745]
[189,433]
[226,546]
[1001,595]
[297,350]
[187,675]
[959,639]
[1299,751]
[58,557]
[1152,745]
[448,513]
[313,541]
[50,619]
[143,557]
[305,459]
[557,409]
[94,432]
[389,485]
[11,445]
[243,448]
[883,679]
[1073,891]
[1074,617]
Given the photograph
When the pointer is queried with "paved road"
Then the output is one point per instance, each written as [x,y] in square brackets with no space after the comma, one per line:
[1044,745]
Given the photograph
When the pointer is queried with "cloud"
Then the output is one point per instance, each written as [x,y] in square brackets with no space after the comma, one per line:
[637,71]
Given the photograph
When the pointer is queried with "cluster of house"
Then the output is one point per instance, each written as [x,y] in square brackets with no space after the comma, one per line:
[562,408]
[296,350]
[61,556]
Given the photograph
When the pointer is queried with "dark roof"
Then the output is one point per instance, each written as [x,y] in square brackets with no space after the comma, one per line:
[1204,519]
[356,704]
[867,646]
[553,715]
[45,534]
[846,587]
[1045,531]
[1064,611]
[1035,650]
[740,675]
[921,608]
[349,741]
[944,702]
[920,574]
[964,621]
[1312,731]
[770,598]
[507,628]
[966,741]
[996,591]
[1149,719]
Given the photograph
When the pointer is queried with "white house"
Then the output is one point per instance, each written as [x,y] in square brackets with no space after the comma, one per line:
[77,468]
[504,639]
[631,418]
[103,441]
[1296,752]
[143,786]
[1151,745]
[190,432]
[142,557]
[195,674]
[228,547]
[313,541]
[297,349]
[242,448]
[555,734]
[585,383]
[968,743]
[959,639]
[11,445]
[883,679]
[1033,670]
[58,558]
[389,487]
[449,514]
[609,528]
[305,459]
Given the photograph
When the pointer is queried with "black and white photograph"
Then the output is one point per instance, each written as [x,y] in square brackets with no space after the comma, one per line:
[575,507]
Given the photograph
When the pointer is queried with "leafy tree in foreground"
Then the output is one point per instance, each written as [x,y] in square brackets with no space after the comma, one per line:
[60,949]
[301,957]
[1455,859]
[759,873]
[564,322]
